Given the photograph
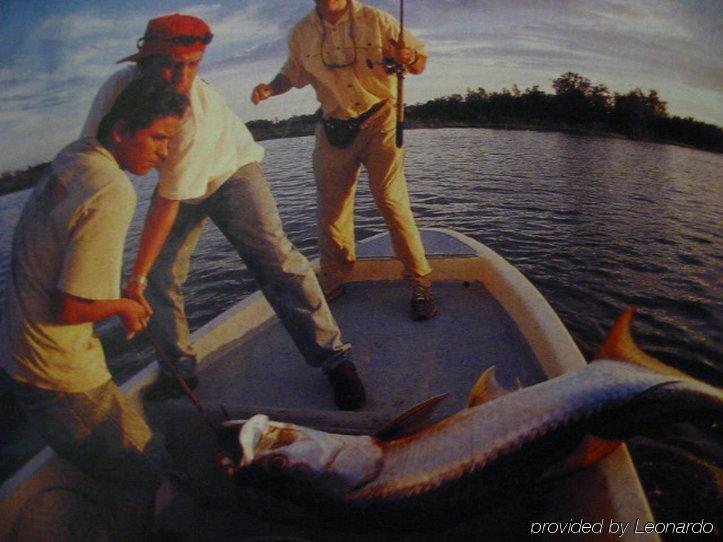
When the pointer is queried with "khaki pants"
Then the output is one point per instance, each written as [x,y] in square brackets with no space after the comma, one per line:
[337,172]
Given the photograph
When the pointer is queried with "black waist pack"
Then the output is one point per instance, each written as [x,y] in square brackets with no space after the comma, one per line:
[342,133]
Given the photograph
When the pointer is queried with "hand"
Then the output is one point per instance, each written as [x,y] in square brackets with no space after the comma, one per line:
[403,54]
[135,317]
[135,291]
[261,92]
[135,321]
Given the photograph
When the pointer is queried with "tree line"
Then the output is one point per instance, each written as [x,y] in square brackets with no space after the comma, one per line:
[576,104]
[12,181]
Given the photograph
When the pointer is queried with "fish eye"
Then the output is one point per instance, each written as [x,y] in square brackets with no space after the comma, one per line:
[277,462]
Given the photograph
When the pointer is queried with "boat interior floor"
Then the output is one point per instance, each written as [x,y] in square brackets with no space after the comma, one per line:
[401,361]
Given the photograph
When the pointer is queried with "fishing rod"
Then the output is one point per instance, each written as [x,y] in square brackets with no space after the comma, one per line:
[185,387]
[223,459]
[400,83]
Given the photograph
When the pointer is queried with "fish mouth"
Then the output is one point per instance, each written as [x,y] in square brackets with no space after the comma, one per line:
[250,436]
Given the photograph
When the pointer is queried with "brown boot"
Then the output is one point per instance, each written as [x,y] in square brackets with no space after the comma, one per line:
[348,389]
[333,293]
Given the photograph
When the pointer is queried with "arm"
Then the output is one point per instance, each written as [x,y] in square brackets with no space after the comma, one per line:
[159,222]
[279,85]
[412,60]
[407,49]
[418,65]
[89,279]
[70,310]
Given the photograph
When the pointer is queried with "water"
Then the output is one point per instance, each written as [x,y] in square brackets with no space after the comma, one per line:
[596,224]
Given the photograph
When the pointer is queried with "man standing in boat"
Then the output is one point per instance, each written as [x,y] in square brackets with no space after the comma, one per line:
[344,50]
[65,274]
[213,171]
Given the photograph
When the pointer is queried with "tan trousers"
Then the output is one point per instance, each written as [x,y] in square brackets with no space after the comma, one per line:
[337,172]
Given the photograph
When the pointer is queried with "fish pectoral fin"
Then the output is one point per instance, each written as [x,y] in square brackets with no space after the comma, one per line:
[233,423]
[411,420]
[620,345]
[591,450]
[487,388]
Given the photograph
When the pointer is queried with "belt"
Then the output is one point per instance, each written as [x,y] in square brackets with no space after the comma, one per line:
[361,118]
[369,112]
[342,132]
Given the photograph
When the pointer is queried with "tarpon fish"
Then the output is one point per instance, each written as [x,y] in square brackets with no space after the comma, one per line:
[504,444]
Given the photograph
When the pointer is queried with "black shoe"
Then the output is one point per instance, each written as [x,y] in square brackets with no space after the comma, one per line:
[423,305]
[167,387]
[348,389]
[334,292]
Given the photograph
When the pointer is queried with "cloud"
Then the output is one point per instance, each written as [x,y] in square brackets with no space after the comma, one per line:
[274,51]
[608,37]
[57,54]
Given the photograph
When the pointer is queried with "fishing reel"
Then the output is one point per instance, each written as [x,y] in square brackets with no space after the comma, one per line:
[392,66]
[389,65]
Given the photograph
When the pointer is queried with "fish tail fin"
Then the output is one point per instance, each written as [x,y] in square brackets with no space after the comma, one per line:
[620,345]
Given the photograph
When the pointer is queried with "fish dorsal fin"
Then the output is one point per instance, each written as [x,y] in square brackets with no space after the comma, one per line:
[411,420]
[486,388]
[620,345]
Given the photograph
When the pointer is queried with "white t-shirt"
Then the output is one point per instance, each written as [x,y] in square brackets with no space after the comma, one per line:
[69,238]
[212,143]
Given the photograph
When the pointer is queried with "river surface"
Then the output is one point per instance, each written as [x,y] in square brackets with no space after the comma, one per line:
[596,224]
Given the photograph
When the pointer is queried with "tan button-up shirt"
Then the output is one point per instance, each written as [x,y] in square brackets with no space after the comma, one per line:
[343,61]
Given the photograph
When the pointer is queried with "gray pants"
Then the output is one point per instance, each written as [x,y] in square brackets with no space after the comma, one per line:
[244,209]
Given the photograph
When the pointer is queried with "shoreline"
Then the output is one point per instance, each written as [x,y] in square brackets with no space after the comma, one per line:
[288,129]
[282,131]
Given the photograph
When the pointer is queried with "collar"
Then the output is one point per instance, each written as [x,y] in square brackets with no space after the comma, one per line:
[350,9]
[96,146]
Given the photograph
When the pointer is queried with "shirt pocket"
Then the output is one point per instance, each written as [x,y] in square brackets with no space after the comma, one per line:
[370,48]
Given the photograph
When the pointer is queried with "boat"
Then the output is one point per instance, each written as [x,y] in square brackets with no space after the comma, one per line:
[490,314]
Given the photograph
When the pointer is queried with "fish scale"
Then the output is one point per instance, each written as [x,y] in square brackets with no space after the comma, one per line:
[428,459]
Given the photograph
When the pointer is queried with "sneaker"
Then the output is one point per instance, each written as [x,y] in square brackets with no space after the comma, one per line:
[348,389]
[167,387]
[423,305]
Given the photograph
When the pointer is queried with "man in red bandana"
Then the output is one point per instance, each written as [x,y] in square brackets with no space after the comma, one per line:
[213,171]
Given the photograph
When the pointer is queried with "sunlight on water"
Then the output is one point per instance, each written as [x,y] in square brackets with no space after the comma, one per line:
[597,224]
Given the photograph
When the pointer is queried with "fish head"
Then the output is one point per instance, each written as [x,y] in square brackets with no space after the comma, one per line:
[290,454]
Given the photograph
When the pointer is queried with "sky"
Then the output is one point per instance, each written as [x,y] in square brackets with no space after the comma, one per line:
[57,53]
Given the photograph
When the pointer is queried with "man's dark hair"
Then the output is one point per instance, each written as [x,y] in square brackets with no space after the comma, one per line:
[143,101]
[146,64]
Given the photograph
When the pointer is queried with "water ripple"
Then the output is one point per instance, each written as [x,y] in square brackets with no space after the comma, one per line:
[596,224]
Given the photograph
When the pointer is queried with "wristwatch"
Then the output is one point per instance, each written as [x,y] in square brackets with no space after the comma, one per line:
[140,280]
